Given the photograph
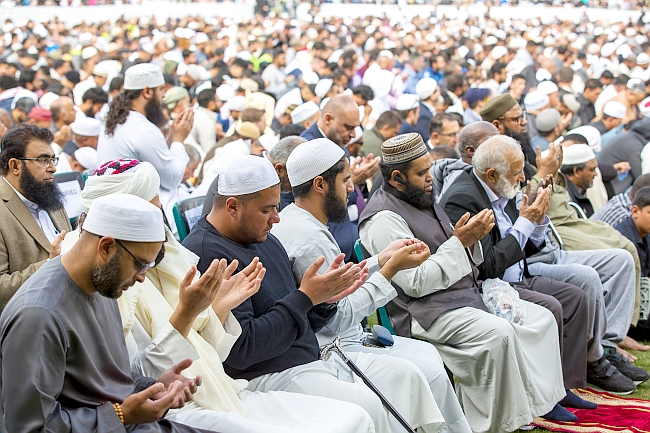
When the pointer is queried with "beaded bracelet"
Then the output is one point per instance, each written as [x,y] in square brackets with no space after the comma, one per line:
[118,411]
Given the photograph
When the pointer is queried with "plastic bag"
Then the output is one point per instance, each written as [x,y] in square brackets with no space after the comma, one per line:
[503,301]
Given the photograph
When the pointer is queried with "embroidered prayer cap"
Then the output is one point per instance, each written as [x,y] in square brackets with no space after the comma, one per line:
[246,175]
[268,141]
[312,159]
[248,130]
[614,109]
[304,111]
[122,176]
[403,148]
[137,77]
[125,217]
[237,103]
[173,96]
[86,126]
[577,154]
[101,69]
[497,107]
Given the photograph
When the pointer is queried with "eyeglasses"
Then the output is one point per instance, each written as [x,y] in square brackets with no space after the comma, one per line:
[42,161]
[143,267]
[519,119]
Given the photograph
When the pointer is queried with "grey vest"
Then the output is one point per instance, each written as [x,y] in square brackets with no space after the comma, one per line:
[434,228]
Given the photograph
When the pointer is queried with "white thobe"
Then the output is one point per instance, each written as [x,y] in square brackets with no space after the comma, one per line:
[505,373]
[305,239]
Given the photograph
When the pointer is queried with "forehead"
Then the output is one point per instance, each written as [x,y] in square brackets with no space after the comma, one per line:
[450,125]
[514,111]
[517,162]
[37,147]
[422,163]
[267,197]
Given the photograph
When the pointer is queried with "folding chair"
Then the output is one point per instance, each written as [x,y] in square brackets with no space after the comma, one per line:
[186,213]
[578,209]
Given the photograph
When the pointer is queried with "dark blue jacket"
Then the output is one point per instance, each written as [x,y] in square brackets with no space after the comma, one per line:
[311,133]
[422,126]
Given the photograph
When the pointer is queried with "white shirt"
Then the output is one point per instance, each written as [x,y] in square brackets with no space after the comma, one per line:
[81,88]
[41,216]
[137,138]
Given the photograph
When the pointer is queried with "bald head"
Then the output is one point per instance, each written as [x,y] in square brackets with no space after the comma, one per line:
[471,137]
[339,118]
[63,111]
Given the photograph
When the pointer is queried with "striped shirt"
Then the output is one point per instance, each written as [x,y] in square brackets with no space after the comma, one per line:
[615,210]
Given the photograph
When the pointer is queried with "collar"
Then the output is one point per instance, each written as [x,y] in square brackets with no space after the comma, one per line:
[28,204]
[494,199]
[320,130]
[573,190]
[429,107]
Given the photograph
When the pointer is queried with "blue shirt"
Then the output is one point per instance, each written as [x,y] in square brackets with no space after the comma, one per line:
[522,230]
[615,210]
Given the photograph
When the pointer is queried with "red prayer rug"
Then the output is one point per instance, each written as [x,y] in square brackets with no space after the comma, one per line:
[614,414]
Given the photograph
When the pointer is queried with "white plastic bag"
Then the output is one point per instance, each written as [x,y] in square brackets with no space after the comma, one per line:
[503,301]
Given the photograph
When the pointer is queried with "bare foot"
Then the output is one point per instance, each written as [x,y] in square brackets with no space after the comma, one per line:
[626,354]
[631,344]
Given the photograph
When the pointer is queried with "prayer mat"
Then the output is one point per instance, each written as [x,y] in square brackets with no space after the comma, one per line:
[614,414]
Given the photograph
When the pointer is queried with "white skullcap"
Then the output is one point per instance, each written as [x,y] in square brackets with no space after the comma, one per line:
[225,92]
[615,109]
[198,73]
[184,33]
[47,99]
[237,103]
[407,101]
[137,77]
[608,49]
[86,126]
[87,157]
[385,53]
[268,141]
[101,69]
[141,180]
[624,51]
[543,74]
[644,107]
[88,52]
[491,40]
[536,100]
[304,111]
[312,159]
[548,87]
[642,59]
[498,52]
[577,154]
[463,51]
[203,86]
[594,139]
[148,48]
[324,102]
[246,175]
[310,77]
[426,87]
[125,217]
[201,38]
[323,87]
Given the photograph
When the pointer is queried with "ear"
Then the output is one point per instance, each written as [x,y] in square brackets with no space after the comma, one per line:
[497,123]
[492,175]
[319,185]
[469,150]
[635,210]
[105,248]
[14,166]
[233,205]
[434,137]
[328,118]
[280,169]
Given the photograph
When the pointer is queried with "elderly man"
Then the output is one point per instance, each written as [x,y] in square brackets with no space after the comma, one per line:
[303,233]
[278,349]
[439,301]
[133,129]
[605,276]
[579,168]
[34,221]
[77,377]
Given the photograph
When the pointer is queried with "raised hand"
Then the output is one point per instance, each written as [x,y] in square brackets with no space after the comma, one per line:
[237,288]
[55,246]
[188,386]
[63,135]
[411,255]
[551,163]
[182,125]
[337,279]
[471,230]
[536,211]
[141,408]
[363,168]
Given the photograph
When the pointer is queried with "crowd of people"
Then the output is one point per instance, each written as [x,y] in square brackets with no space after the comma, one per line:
[487,182]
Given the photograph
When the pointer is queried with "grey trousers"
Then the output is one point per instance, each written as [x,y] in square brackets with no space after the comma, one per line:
[569,306]
[607,277]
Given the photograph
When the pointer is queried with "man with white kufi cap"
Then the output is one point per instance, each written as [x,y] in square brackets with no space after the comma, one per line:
[133,129]
[305,114]
[72,299]
[85,132]
[428,92]
[408,107]
[317,173]
[612,117]
[98,78]
[277,349]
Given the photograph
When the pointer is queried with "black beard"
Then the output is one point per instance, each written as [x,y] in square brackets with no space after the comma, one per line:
[45,194]
[523,140]
[108,279]
[418,197]
[336,210]
[89,113]
[153,111]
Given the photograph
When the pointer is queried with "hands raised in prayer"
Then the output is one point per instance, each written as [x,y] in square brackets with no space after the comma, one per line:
[551,163]
[170,392]
[363,168]
[336,283]
[471,230]
[402,254]
[63,135]
[182,125]
[55,246]
[535,211]
[237,288]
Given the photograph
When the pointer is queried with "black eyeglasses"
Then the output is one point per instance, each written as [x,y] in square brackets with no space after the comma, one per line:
[42,161]
[143,267]
[518,120]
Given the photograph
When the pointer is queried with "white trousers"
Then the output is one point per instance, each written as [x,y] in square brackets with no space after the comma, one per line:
[506,374]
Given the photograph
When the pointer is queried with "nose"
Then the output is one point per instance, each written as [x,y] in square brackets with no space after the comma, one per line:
[140,277]
[522,177]
[275,217]
[349,186]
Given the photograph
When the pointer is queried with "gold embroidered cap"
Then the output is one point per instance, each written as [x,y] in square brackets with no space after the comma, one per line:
[403,148]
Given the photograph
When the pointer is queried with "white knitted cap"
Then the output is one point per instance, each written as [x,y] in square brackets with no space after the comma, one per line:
[304,111]
[312,159]
[323,87]
[86,126]
[615,109]
[125,217]
[577,154]
[246,175]
[137,77]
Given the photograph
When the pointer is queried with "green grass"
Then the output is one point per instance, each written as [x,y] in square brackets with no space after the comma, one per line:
[642,392]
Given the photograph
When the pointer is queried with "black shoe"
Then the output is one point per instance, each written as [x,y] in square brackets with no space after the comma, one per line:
[638,375]
[603,375]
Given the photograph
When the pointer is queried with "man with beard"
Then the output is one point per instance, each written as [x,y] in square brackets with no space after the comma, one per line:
[65,366]
[439,301]
[133,130]
[34,221]
[93,101]
[338,120]
[278,349]
[579,169]
[321,199]
[505,113]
